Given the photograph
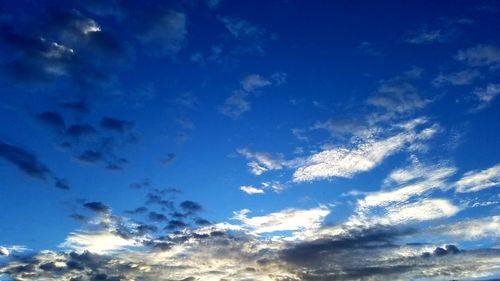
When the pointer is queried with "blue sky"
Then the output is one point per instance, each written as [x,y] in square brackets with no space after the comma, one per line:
[249,140]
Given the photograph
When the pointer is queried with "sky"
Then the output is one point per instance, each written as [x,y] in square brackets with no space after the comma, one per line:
[278,140]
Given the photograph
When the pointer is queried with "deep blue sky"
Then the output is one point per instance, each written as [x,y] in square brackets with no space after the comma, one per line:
[333,137]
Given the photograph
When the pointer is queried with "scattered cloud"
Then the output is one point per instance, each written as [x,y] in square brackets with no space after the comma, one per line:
[460,78]
[163,30]
[29,164]
[486,95]
[398,95]
[481,55]
[261,162]
[251,190]
[239,102]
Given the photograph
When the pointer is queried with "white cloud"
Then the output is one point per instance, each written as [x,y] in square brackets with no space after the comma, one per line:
[236,104]
[240,28]
[460,78]
[478,180]
[96,242]
[286,220]
[472,229]
[417,181]
[346,162]
[397,96]
[251,190]
[486,95]
[480,55]
[426,36]
[262,162]
[4,251]
[426,209]
[253,82]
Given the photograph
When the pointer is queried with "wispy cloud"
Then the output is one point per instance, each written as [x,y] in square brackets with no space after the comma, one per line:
[239,101]
[480,55]
[474,181]
[460,78]
[486,95]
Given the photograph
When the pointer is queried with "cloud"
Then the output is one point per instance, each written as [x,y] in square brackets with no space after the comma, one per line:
[253,82]
[444,31]
[474,181]
[480,55]
[346,162]
[398,95]
[460,78]
[239,102]
[97,207]
[64,45]
[261,161]
[251,190]
[4,251]
[236,104]
[424,210]
[118,125]
[163,30]
[367,48]
[250,36]
[426,36]
[29,164]
[190,207]
[470,229]
[486,95]
[98,242]
[52,119]
[286,220]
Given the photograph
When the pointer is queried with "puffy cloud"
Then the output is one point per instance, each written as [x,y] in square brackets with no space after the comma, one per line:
[474,181]
[251,190]
[96,242]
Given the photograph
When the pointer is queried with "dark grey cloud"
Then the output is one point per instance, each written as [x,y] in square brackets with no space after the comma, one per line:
[190,206]
[115,124]
[97,207]
[52,119]
[24,160]
[138,210]
[141,184]
[29,164]
[157,217]
[78,131]
[176,224]
[90,156]
[76,106]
